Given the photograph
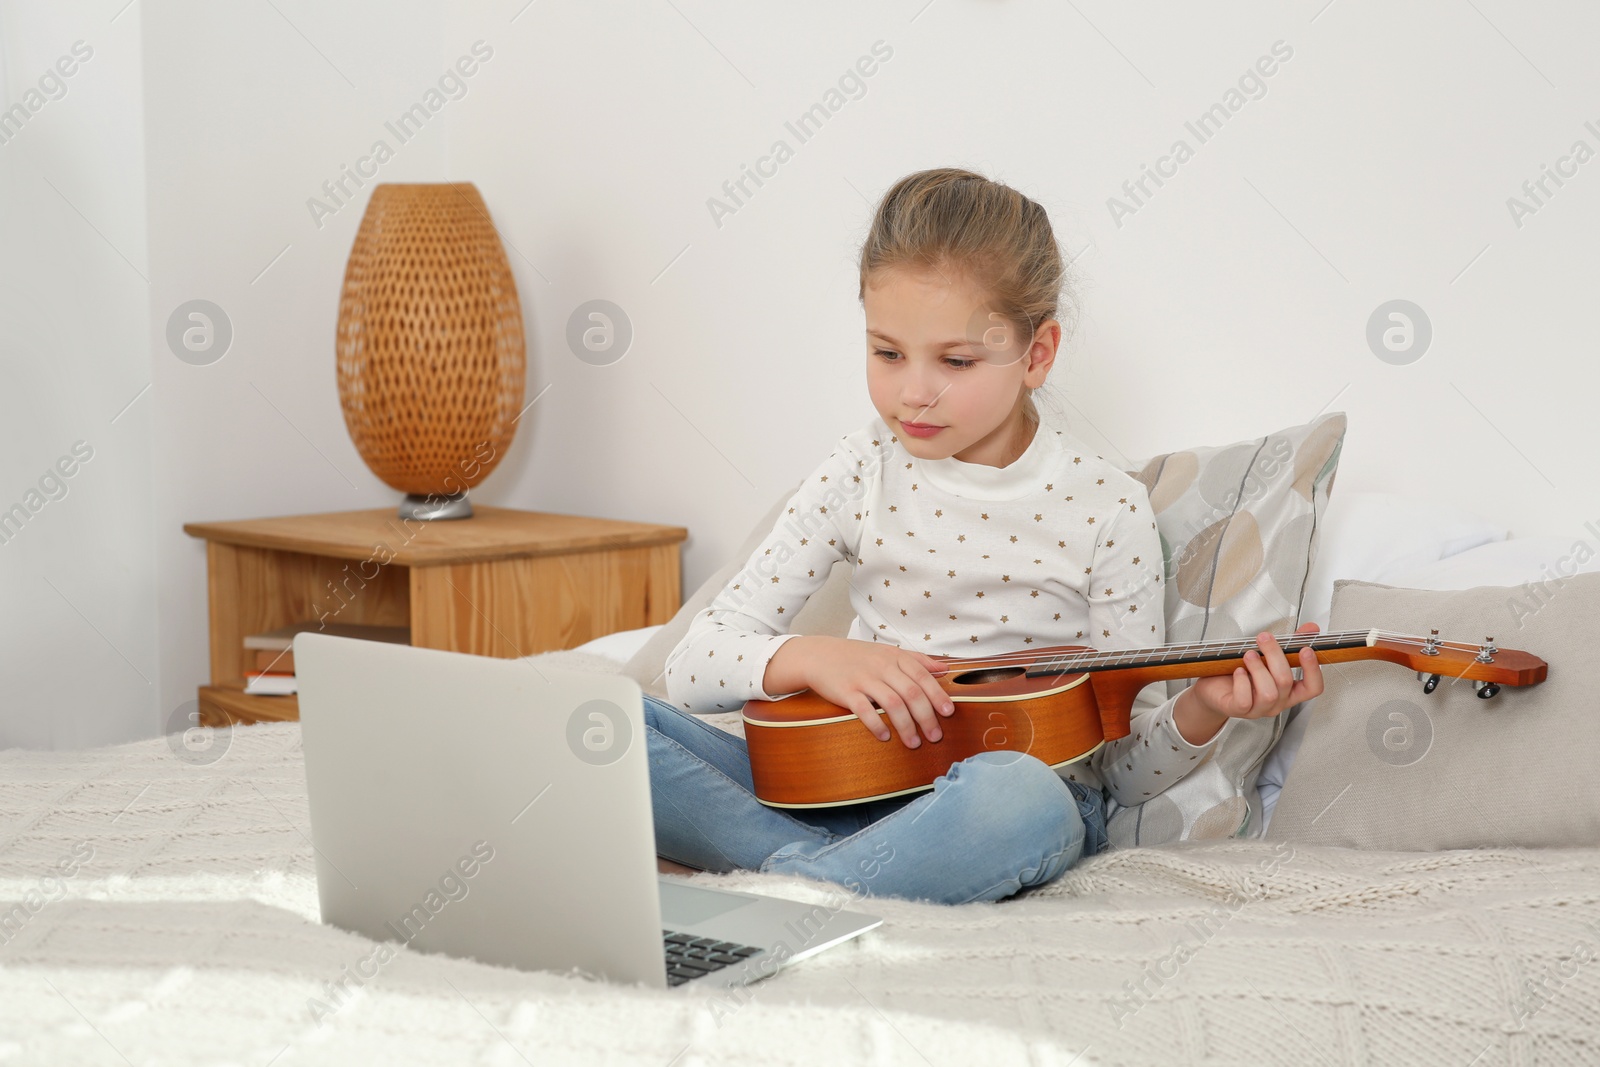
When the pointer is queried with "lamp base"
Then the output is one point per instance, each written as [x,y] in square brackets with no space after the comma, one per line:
[434,506]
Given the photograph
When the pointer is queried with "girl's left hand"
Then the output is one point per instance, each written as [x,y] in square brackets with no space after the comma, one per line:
[1264,686]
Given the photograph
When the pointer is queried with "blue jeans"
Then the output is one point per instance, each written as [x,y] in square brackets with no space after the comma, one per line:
[993,823]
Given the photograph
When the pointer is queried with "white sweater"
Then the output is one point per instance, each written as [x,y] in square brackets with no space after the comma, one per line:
[963,559]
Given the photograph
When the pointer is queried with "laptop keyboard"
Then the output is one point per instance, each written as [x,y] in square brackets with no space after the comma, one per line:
[690,957]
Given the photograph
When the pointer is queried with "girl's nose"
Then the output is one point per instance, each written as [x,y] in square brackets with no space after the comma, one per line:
[922,386]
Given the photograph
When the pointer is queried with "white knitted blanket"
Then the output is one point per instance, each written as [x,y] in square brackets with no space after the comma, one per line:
[161,910]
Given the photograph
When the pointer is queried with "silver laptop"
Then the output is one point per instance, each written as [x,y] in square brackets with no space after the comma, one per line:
[491,809]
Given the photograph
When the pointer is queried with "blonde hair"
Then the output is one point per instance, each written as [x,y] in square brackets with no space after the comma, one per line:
[983,229]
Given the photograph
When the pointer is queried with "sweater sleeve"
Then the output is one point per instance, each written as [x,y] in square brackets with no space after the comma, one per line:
[1126,610]
[722,660]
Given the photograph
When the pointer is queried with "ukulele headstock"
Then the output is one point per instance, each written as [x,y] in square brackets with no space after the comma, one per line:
[1486,665]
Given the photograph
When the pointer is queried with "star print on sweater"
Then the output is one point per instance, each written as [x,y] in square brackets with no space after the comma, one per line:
[953,558]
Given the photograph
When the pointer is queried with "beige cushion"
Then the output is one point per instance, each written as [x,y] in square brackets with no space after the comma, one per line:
[1385,766]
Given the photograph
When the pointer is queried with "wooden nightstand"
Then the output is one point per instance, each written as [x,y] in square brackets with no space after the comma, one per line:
[503,583]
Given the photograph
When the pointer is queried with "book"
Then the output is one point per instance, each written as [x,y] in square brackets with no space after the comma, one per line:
[282,638]
[275,662]
[269,683]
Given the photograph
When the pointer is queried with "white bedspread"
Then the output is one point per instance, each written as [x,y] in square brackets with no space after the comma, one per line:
[189,936]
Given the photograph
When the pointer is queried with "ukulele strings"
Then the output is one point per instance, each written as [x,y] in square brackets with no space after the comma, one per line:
[1031,659]
[1198,645]
[1242,643]
[1028,659]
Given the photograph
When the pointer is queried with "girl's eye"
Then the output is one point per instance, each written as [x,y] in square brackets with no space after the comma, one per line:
[892,356]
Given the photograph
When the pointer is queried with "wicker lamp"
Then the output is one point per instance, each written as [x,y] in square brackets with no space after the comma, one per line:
[429,345]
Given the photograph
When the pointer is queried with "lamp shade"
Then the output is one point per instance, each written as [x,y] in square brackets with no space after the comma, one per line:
[429,342]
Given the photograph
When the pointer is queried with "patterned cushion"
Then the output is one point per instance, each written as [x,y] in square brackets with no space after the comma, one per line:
[1239,525]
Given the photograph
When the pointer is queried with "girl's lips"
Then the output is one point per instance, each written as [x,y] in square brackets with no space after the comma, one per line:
[919,429]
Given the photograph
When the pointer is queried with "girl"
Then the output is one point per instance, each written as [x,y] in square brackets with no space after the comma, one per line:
[970,530]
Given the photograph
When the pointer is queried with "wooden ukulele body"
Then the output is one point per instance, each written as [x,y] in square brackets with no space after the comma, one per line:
[806,752]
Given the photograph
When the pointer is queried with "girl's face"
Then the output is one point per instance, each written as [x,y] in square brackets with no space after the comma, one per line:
[946,374]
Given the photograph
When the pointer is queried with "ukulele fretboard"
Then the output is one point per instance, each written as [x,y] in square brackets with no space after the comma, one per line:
[1204,652]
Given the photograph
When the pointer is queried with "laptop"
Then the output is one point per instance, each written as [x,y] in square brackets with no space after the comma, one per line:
[500,810]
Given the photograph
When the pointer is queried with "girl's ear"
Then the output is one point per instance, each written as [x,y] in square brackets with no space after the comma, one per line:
[1042,353]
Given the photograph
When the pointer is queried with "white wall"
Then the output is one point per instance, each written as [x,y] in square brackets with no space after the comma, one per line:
[251,108]
[1233,302]
[77,573]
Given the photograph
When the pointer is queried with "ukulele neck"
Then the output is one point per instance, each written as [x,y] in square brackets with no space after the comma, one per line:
[1217,653]
[1117,677]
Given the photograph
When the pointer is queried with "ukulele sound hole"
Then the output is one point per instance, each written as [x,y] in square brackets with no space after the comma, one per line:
[987,675]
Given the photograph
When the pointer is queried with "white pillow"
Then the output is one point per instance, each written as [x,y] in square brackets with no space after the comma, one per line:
[621,645]
[1544,561]
[1378,537]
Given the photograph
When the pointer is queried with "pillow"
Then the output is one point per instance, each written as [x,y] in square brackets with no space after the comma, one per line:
[1513,562]
[1385,766]
[1381,537]
[1239,526]
[1499,562]
[619,646]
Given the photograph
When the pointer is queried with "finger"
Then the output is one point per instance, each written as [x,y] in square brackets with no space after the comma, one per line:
[918,704]
[1278,667]
[1307,628]
[1242,693]
[930,685]
[933,664]
[895,708]
[1266,690]
[1311,681]
[869,716]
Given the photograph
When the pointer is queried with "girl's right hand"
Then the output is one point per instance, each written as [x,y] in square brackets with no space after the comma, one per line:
[860,674]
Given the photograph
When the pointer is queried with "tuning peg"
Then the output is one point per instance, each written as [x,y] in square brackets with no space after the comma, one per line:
[1431,684]
[1486,689]
[1487,650]
[1430,647]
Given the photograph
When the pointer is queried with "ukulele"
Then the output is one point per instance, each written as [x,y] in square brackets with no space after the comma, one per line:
[1059,704]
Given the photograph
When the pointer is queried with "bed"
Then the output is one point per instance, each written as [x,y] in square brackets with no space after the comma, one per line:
[158,906]
[190,936]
